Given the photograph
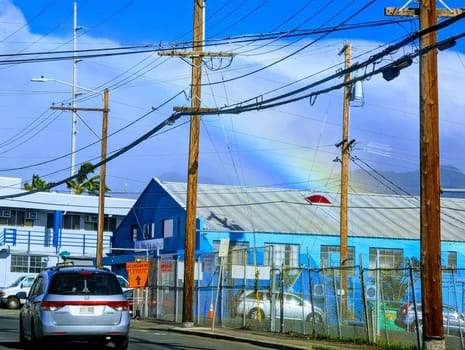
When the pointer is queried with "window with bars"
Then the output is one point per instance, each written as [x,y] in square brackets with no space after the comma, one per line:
[238,251]
[330,256]
[386,258]
[282,254]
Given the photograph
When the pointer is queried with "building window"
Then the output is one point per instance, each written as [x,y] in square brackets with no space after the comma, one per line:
[28,263]
[134,232]
[238,252]
[91,222]
[71,221]
[50,220]
[149,231]
[449,260]
[109,223]
[12,217]
[386,258]
[282,254]
[330,256]
[168,228]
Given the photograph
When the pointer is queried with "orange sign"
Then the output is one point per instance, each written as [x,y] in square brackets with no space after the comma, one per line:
[138,273]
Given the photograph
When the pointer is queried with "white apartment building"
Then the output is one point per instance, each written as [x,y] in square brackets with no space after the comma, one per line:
[38,229]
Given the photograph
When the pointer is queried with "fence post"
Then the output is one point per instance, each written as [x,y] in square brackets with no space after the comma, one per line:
[419,342]
[245,262]
[176,286]
[365,304]
[310,286]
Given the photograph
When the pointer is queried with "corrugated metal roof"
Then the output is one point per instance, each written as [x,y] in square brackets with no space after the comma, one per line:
[274,210]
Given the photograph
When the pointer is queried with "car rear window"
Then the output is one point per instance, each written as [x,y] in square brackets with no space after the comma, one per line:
[88,284]
[258,295]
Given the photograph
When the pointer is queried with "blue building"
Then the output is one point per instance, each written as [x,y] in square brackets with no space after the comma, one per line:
[291,227]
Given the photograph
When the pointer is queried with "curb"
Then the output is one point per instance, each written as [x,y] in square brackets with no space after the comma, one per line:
[263,343]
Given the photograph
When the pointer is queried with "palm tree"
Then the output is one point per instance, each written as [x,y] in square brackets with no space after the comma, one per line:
[83,184]
[36,184]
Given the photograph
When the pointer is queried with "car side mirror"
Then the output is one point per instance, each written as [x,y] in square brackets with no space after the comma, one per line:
[21,295]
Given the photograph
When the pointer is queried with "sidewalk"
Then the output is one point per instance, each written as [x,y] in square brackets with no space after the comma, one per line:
[266,339]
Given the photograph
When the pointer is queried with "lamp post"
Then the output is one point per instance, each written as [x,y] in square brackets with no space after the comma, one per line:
[101,205]
[42,79]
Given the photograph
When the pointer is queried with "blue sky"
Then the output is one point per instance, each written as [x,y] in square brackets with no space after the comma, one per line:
[292,145]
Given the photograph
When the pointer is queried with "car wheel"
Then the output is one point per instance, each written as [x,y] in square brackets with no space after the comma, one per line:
[316,323]
[256,314]
[13,303]
[34,342]
[121,343]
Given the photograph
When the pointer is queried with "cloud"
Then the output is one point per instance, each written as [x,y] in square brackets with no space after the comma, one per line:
[290,145]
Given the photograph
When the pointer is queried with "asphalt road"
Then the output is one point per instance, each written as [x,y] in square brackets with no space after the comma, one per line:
[139,339]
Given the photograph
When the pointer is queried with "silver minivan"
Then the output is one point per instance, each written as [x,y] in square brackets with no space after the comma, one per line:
[82,304]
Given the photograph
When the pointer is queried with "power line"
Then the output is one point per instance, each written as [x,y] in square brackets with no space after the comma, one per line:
[273,102]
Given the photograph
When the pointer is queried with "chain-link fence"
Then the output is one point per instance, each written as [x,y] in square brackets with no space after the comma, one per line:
[373,305]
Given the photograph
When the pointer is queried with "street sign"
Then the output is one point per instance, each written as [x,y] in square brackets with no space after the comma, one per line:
[224,248]
[138,273]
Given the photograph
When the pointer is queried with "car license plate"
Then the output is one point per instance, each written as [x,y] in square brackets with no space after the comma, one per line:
[86,310]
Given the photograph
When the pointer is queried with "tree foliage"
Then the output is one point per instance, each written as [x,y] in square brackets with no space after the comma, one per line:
[36,184]
[85,184]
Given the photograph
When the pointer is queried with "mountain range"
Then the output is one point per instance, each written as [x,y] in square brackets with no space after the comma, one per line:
[451,178]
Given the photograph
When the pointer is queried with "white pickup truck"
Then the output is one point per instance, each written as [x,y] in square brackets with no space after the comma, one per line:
[9,295]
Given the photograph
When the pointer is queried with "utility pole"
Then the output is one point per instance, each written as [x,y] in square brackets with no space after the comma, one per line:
[344,182]
[102,186]
[430,224]
[101,206]
[193,163]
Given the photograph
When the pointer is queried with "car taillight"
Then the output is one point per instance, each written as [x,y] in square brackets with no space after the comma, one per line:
[119,305]
[53,305]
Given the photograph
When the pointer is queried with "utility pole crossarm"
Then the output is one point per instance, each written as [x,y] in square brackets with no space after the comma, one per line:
[74,109]
[412,12]
[195,110]
[192,54]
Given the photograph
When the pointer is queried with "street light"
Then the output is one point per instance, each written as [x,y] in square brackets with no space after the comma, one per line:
[101,205]
[42,79]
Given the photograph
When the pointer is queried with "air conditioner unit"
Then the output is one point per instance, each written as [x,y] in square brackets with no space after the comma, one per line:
[5,213]
[91,218]
[31,215]
[318,290]
[370,292]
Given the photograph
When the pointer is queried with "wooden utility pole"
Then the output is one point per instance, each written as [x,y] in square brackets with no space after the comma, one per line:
[193,163]
[344,183]
[101,205]
[102,186]
[430,224]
